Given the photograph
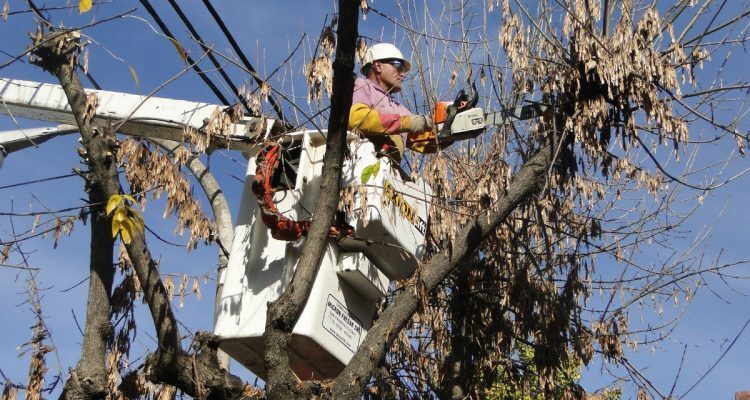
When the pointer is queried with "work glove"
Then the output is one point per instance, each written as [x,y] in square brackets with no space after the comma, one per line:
[418,123]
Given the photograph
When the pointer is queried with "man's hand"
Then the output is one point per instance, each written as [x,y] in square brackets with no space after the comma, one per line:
[418,124]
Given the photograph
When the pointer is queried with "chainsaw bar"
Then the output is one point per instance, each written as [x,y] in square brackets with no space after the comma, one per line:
[528,111]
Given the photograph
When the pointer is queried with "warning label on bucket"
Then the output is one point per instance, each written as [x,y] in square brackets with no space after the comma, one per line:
[342,324]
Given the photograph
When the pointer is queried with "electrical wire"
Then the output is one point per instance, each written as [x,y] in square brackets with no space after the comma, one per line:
[197,69]
[209,52]
[244,60]
[37,181]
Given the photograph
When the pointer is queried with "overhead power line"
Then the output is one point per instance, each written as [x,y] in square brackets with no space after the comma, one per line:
[245,61]
[37,181]
[210,54]
[197,69]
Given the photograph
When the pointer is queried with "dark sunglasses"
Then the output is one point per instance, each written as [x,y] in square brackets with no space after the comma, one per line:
[400,66]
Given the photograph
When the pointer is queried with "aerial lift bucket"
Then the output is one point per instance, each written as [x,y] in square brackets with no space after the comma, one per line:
[354,273]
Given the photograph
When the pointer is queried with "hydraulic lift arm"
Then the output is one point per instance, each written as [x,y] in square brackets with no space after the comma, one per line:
[150,117]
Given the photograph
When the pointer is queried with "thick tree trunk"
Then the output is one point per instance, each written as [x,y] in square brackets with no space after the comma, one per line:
[456,366]
[283,313]
[89,379]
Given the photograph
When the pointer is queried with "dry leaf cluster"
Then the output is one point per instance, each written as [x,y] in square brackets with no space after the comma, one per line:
[217,127]
[152,171]
[39,346]
[319,71]
[182,288]
[63,226]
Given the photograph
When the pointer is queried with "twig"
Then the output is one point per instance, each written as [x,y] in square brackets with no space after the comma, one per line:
[163,240]
[19,267]
[667,174]
[724,353]
[153,92]
[76,321]
[76,285]
[408,29]
[63,32]
[679,370]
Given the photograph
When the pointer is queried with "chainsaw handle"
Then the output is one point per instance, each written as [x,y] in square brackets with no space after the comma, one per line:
[446,112]
[463,102]
[461,97]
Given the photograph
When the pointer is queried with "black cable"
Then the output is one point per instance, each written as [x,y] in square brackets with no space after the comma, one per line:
[8,54]
[197,69]
[245,61]
[210,54]
[91,79]
[37,181]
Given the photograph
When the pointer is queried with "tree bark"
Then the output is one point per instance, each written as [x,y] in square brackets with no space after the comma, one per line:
[455,368]
[198,375]
[89,379]
[350,384]
[285,311]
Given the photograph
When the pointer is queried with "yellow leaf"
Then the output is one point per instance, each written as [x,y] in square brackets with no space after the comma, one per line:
[120,215]
[83,6]
[179,48]
[135,223]
[127,226]
[128,231]
[126,236]
[115,228]
[113,202]
[129,198]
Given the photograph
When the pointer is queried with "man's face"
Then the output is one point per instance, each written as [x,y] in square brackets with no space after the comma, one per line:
[390,74]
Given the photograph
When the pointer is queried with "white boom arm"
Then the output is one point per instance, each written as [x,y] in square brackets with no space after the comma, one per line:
[152,117]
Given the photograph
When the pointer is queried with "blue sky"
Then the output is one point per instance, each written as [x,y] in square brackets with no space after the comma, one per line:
[267,31]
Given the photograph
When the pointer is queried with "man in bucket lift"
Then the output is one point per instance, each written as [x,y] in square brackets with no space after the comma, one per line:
[375,113]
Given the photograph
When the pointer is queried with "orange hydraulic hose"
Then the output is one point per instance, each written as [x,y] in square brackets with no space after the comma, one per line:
[282,228]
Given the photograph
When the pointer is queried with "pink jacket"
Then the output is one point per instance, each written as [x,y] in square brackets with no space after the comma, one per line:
[383,120]
[370,94]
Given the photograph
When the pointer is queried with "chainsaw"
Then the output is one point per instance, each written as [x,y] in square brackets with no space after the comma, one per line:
[462,119]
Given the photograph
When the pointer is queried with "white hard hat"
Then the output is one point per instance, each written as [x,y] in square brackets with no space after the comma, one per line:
[384,51]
